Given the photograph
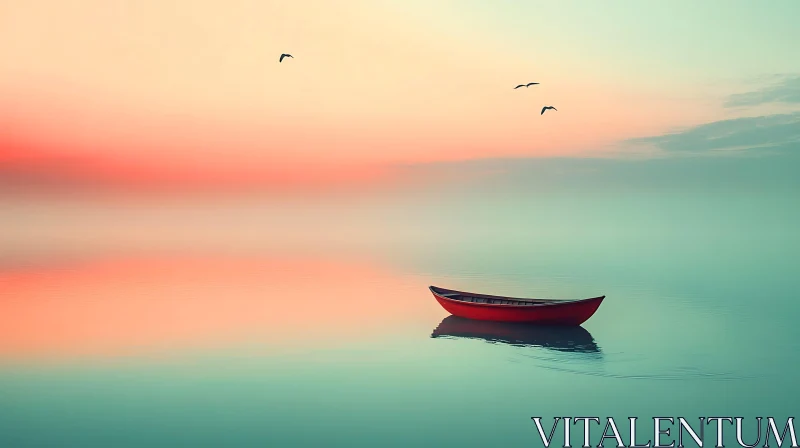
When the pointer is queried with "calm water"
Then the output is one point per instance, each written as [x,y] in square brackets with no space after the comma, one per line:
[242,325]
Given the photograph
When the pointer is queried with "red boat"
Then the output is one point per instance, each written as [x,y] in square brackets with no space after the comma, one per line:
[511,309]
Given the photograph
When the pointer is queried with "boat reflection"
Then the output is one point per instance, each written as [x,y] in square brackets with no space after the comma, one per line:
[559,338]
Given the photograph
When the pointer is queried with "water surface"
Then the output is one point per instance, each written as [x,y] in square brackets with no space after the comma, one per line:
[244,325]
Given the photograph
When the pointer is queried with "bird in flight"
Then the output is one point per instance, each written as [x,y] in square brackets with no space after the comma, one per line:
[285,55]
[526,85]
[547,107]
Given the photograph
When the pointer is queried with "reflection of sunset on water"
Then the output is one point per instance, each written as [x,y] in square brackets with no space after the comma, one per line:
[133,306]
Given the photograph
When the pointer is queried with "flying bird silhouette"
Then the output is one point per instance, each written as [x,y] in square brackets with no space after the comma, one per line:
[526,85]
[547,107]
[285,55]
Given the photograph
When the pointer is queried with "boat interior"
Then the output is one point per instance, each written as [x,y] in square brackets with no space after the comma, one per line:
[478,298]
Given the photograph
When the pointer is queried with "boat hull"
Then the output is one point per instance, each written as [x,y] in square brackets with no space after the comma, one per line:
[554,313]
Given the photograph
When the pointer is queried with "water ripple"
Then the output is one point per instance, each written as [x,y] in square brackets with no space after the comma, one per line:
[603,366]
[717,376]
[570,350]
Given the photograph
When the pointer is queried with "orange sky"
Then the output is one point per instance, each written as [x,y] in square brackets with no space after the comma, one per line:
[157,93]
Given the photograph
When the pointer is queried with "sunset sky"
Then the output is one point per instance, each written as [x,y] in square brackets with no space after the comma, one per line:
[191,91]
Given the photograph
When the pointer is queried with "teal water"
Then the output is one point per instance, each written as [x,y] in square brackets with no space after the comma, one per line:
[700,320]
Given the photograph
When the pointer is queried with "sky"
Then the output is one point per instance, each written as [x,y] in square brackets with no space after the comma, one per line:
[190,93]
